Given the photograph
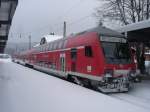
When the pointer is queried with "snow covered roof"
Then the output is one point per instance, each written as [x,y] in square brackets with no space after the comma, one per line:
[50,38]
[37,45]
[137,32]
[134,26]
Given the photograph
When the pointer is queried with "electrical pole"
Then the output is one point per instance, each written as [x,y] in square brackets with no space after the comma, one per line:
[64,30]
[29,42]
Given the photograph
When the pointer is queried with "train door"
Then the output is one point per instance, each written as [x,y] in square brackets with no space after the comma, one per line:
[62,62]
[73,59]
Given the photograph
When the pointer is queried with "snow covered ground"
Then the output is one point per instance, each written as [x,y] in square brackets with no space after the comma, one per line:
[139,95]
[26,90]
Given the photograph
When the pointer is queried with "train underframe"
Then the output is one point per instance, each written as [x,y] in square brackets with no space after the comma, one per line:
[119,84]
[107,85]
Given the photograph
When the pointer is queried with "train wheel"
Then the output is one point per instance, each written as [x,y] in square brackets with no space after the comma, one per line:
[70,79]
[75,80]
[78,81]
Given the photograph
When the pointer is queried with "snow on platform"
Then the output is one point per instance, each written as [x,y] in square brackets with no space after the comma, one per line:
[139,95]
[26,90]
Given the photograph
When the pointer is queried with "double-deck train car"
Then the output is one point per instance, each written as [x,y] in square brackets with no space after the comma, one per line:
[98,57]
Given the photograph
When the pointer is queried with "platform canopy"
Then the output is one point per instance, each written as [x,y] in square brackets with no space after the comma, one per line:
[137,32]
[7,10]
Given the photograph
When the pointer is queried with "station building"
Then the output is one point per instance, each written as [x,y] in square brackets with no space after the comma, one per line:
[7,10]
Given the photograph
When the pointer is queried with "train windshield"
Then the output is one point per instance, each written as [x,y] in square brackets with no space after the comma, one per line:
[116,52]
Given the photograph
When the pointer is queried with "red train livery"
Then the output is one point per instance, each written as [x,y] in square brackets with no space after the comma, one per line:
[98,57]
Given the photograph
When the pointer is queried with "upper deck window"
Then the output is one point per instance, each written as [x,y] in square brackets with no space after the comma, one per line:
[52,45]
[55,46]
[60,44]
[64,44]
[49,46]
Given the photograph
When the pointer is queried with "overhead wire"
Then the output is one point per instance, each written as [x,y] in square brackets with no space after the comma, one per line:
[58,18]
[56,28]
[77,21]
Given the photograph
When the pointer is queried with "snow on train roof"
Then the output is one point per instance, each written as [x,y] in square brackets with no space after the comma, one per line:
[135,26]
[50,38]
[103,31]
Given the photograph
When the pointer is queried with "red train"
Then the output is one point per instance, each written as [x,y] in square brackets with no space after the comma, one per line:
[98,57]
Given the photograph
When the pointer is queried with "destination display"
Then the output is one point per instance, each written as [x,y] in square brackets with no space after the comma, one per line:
[112,39]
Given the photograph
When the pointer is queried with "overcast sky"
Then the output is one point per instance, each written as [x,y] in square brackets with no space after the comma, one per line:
[40,17]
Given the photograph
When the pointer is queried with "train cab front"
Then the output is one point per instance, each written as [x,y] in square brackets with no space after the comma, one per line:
[116,79]
[119,67]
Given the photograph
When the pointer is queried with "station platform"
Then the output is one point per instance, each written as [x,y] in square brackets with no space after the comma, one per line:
[26,90]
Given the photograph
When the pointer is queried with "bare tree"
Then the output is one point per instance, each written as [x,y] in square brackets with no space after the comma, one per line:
[125,11]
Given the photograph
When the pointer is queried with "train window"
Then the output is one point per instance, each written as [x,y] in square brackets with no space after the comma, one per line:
[60,44]
[64,43]
[37,49]
[74,54]
[55,45]
[41,49]
[46,49]
[88,51]
[50,45]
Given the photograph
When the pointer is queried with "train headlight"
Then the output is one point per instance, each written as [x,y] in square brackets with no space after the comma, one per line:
[133,73]
[108,73]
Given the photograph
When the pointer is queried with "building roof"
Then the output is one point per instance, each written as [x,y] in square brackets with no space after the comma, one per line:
[137,32]
[135,26]
[7,10]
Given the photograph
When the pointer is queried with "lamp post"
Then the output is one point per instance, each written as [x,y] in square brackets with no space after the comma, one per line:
[29,42]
